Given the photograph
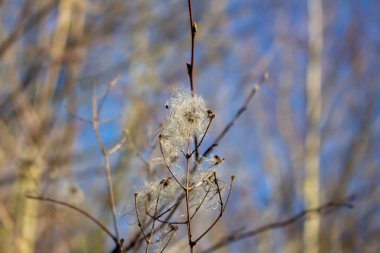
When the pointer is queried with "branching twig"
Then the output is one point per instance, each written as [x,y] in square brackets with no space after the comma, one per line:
[188,221]
[169,209]
[138,220]
[200,204]
[193,29]
[107,168]
[168,167]
[136,241]
[154,221]
[173,230]
[118,145]
[102,99]
[281,224]
[203,137]
[222,206]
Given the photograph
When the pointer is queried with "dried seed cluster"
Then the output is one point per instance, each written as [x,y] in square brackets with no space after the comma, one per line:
[188,117]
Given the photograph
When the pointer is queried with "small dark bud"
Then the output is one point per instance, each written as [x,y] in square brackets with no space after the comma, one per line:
[188,65]
[165,182]
[232,177]
[173,227]
[194,28]
[210,114]
[136,194]
[218,159]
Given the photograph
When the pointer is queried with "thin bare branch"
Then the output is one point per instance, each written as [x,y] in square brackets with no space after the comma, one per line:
[200,204]
[118,145]
[110,86]
[222,206]
[203,137]
[165,221]
[107,167]
[168,167]
[193,29]
[170,238]
[243,108]
[276,225]
[23,27]
[138,221]
[154,221]
[136,151]
[77,209]
[188,221]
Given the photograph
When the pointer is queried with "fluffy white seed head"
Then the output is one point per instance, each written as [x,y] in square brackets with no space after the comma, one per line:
[187,117]
[169,147]
[164,190]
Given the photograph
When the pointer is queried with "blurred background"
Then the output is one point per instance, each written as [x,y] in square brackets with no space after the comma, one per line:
[310,135]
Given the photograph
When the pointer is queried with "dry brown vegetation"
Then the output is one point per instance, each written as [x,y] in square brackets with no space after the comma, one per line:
[86,143]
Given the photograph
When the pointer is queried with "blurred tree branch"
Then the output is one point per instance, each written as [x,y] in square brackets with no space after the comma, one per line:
[237,235]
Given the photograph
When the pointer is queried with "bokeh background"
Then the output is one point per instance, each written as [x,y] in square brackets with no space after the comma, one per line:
[310,135]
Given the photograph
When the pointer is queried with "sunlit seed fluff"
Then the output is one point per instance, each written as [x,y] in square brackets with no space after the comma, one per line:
[169,147]
[164,190]
[187,116]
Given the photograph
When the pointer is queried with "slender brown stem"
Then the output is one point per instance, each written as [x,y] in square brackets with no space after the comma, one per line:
[190,70]
[188,221]
[190,66]
[173,207]
[234,237]
[229,192]
[165,221]
[138,220]
[193,29]
[179,222]
[104,96]
[118,145]
[222,207]
[243,108]
[203,137]
[200,204]
[107,167]
[136,242]
[167,243]
[168,167]
[154,221]
[77,209]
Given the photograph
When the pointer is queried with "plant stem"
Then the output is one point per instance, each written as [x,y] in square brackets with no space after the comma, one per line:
[77,209]
[193,32]
[107,167]
[188,221]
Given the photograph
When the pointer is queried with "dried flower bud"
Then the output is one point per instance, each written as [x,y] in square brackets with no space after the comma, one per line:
[218,159]
[210,114]
[165,182]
